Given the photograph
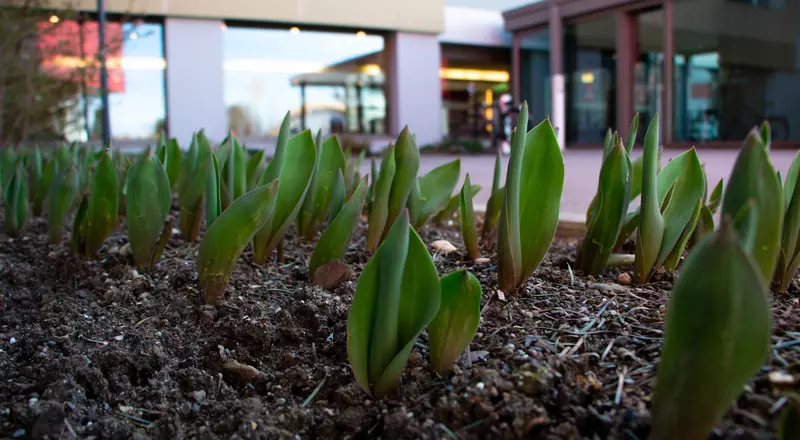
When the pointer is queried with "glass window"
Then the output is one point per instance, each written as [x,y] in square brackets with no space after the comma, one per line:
[589,72]
[731,77]
[135,65]
[535,74]
[329,81]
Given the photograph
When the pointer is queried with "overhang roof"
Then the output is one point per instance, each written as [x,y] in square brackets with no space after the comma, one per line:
[538,14]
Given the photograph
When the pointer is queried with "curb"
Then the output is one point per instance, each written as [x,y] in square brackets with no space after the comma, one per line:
[571,225]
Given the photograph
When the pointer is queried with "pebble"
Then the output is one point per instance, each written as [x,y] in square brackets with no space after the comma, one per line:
[781,378]
[281,401]
[624,278]
[19,433]
[443,246]
[199,395]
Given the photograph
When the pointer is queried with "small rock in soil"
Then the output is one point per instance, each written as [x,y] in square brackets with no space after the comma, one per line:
[624,279]
[242,373]
[443,246]
[332,274]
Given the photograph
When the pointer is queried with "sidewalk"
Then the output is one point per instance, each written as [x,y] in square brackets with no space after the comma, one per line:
[581,170]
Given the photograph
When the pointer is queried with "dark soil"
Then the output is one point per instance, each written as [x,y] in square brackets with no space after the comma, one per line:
[95,349]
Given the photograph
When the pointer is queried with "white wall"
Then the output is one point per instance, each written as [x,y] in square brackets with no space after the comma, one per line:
[472,26]
[414,92]
[195,90]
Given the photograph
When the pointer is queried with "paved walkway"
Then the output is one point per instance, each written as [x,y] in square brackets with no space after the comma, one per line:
[582,168]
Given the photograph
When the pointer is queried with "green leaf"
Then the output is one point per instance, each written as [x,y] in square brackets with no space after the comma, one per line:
[406,158]
[717,336]
[197,167]
[705,224]
[631,140]
[317,203]
[683,208]
[509,249]
[213,194]
[149,200]
[171,156]
[715,198]
[468,231]
[607,216]
[16,201]
[295,177]
[78,239]
[337,196]
[435,190]
[456,322]
[754,178]
[101,214]
[379,211]
[650,231]
[636,188]
[335,239]
[491,218]
[276,164]
[8,165]
[60,199]
[255,168]
[788,261]
[538,170]
[789,421]
[397,295]
[227,237]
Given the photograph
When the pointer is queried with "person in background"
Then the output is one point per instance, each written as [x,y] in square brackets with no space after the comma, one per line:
[503,123]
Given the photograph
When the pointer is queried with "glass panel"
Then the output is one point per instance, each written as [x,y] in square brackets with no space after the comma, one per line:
[535,70]
[69,75]
[731,76]
[329,81]
[590,69]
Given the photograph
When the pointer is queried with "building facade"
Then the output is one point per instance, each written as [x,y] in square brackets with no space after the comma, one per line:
[345,66]
[710,69]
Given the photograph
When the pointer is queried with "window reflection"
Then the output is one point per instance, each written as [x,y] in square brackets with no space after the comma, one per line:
[328,81]
[135,64]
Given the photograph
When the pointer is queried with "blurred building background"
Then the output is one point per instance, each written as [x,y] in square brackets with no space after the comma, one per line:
[439,66]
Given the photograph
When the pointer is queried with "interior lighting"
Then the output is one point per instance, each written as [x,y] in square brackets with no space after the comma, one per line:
[587,77]
[456,74]
[361,34]
[294,29]
[54,19]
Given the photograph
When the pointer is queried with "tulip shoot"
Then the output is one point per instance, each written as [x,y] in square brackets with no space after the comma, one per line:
[149,200]
[226,238]
[717,336]
[16,201]
[397,296]
[60,200]
[335,239]
[457,320]
[468,231]
[532,198]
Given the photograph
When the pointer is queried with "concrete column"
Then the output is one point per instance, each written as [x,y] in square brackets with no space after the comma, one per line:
[626,41]
[669,77]
[195,92]
[414,97]
[558,106]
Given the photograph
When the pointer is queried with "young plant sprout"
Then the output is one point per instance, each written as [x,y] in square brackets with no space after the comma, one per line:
[469,233]
[16,202]
[717,336]
[149,200]
[293,182]
[227,237]
[333,243]
[432,192]
[397,296]
[754,200]
[532,198]
[457,320]
[99,210]
[671,201]
[60,200]
[320,200]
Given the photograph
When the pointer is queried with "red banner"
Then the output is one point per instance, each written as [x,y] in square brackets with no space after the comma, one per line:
[59,45]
